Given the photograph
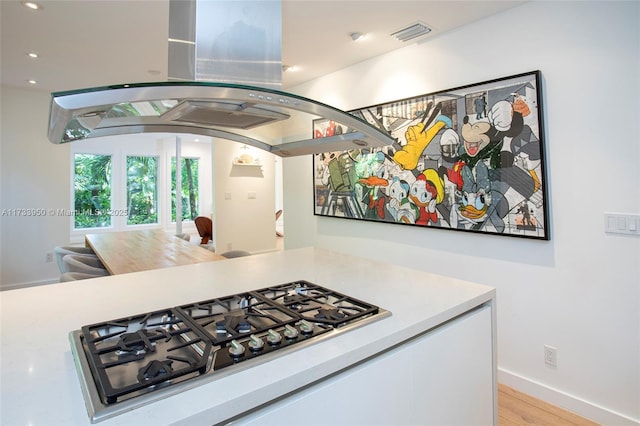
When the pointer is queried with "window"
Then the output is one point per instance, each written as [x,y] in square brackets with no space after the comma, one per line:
[122,183]
[189,189]
[142,190]
[92,190]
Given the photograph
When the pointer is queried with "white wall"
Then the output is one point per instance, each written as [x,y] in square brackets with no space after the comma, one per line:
[32,171]
[242,222]
[578,292]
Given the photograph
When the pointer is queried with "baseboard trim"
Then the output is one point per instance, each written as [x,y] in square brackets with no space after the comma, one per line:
[564,400]
[31,284]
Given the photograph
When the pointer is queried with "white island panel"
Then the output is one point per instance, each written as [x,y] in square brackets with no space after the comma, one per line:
[39,384]
[443,377]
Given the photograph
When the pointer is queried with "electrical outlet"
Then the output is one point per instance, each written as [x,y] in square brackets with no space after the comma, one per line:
[550,355]
[48,257]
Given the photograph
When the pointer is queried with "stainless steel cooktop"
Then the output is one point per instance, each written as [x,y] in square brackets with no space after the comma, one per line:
[129,362]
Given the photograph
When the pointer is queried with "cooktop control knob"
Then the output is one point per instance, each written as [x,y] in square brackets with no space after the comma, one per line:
[255,343]
[306,327]
[274,337]
[290,332]
[236,349]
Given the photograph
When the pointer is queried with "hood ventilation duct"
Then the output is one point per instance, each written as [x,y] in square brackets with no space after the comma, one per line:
[226,41]
[225,69]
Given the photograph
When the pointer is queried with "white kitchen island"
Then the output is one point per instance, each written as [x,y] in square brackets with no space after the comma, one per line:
[432,361]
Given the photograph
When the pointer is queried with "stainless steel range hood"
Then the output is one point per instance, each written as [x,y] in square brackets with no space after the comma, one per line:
[275,121]
[225,69]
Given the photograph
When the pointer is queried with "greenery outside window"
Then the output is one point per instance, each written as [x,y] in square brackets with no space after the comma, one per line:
[92,191]
[189,189]
[142,190]
[128,183]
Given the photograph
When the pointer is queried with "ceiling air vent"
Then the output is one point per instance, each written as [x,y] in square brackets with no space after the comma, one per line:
[408,33]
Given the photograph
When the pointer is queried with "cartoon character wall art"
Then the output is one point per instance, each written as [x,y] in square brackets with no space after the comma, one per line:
[465,159]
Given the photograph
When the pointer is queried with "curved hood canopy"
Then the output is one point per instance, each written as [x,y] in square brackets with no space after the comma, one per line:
[275,121]
[225,68]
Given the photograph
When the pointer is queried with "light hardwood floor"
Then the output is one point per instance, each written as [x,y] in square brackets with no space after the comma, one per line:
[516,408]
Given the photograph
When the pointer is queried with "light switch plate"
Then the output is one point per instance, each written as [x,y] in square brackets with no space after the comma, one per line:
[622,223]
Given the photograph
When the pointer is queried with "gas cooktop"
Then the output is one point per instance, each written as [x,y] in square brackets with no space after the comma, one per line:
[128,362]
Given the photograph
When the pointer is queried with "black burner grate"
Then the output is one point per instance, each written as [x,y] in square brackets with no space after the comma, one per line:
[132,354]
[234,317]
[319,304]
[135,355]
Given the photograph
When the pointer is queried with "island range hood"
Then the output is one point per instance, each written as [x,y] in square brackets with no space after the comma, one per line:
[225,78]
[265,118]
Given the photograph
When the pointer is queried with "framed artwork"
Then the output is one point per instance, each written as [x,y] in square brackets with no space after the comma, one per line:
[467,159]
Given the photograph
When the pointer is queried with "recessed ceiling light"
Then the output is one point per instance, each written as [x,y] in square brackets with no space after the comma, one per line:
[356,36]
[290,68]
[31,5]
[32,82]
[33,55]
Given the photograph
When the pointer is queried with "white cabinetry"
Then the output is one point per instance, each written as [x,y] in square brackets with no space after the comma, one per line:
[442,377]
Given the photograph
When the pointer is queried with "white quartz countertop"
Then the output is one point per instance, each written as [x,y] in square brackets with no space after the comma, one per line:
[39,384]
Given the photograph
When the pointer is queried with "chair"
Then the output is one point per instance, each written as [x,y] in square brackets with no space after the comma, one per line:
[209,247]
[61,251]
[83,264]
[204,225]
[235,253]
[75,276]
[186,237]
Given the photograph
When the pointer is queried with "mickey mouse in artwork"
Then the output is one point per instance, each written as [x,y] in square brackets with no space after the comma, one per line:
[483,140]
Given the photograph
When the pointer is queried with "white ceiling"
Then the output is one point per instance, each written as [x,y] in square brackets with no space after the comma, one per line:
[87,43]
